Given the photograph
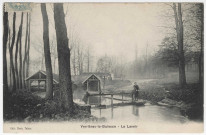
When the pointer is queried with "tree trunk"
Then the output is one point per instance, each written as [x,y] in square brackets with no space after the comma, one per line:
[88,60]
[54,65]
[28,51]
[25,52]
[16,53]
[49,77]
[10,71]
[42,62]
[179,31]
[74,62]
[16,64]
[63,58]
[11,53]
[79,61]
[201,57]
[20,54]
[5,39]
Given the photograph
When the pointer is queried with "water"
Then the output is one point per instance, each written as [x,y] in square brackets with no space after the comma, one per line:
[133,113]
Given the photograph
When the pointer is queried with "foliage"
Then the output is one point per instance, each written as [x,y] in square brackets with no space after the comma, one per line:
[24,106]
[104,64]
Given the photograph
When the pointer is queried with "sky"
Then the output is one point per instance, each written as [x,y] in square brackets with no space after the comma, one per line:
[109,29]
[112,29]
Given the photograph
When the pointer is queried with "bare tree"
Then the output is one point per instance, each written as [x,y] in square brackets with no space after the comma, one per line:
[201,56]
[80,59]
[16,53]
[74,61]
[49,75]
[88,59]
[28,49]
[11,53]
[25,50]
[63,58]
[5,39]
[20,54]
[179,31]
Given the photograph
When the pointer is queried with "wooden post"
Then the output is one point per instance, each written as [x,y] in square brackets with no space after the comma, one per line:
[100,112]
[100,99]
[132,98]
[112,112]
[87,101]
[38,85]
[111,100]
[29,85]
[45,85]
[98,86]
[87,85]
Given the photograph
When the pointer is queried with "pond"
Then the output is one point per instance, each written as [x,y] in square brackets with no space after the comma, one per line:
[133,113]
[147,118]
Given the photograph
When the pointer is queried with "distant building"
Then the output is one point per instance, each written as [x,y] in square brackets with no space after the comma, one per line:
[93,82]
[89,82]
[39,77]
[106,76]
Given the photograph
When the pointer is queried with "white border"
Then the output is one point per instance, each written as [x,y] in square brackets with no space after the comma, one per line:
[39,1]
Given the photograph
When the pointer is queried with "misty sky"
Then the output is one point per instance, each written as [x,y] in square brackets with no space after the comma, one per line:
[111,29]
[108,28]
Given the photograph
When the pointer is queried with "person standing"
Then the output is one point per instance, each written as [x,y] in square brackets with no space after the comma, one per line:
[135,91]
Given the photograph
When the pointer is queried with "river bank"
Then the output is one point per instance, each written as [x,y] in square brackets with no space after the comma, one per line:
[189,98]
[168,93]
[23,106]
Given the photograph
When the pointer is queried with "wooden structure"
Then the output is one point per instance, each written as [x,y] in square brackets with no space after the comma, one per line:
[39,77]
[92,83]
[124,101]
[106,76]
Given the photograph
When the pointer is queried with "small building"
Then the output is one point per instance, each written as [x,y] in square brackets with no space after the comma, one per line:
[92,83]
[39,77]
[103,76]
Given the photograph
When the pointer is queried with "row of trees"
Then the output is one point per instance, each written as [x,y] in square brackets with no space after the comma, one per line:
[63,52]
[18,61]
[182,46]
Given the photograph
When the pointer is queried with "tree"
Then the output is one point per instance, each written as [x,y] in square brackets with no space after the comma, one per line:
[11,53]
[198,13]
[63,58]
[5,39]
[20,54]
[28,50]
[88,59]
[74,61]
[179,31]
[25,51]
[16,53]
[49,75]
[80,59]
[104,64]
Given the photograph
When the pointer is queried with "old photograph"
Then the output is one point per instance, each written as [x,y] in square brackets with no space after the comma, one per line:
[103,67]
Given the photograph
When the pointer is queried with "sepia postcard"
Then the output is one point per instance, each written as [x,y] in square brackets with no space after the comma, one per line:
[109,67]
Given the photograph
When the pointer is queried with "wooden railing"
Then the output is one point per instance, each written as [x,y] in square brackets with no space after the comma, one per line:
[112,96]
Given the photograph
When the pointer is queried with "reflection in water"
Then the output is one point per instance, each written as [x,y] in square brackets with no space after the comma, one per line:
[112,112]
[132,113]
[150,113]
[135,110]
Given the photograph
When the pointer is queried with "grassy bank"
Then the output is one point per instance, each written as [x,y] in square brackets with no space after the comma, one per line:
[191,95]
[24,106]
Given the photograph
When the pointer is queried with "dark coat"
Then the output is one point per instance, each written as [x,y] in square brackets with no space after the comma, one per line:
[135,91]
